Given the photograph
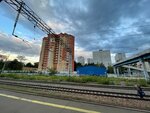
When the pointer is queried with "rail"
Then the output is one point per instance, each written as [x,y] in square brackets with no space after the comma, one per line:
[79,84]
[75,90]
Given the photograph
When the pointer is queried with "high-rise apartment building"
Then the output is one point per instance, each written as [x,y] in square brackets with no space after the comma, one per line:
[120,57]
[55,53]
[81,60]
[102,56]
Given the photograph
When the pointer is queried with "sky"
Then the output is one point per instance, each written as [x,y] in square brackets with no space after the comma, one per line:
[115,25]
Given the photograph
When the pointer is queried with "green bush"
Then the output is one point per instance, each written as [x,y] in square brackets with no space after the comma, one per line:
[142,83]
[79,79]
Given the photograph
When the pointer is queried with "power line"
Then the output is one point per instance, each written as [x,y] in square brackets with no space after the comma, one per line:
[30,15]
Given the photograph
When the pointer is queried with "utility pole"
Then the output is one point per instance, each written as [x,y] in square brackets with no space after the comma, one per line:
[30,15]
[16,21]
[4,64]
[70,64]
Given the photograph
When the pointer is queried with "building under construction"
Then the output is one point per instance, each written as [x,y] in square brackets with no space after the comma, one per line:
[55,55]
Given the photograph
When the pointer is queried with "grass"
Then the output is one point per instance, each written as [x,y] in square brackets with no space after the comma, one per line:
[80,79]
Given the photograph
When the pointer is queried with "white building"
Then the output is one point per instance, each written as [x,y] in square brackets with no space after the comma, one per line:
[120,57]
[89,60]
[102,56]
[81,60]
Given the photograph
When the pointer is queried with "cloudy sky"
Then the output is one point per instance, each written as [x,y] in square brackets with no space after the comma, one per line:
[117,25]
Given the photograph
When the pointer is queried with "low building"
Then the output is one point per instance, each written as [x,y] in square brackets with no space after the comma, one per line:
[120,57]
[89,60]
[81,60]
[92,70]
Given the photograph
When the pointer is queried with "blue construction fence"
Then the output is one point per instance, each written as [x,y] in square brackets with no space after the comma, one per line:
[92,70]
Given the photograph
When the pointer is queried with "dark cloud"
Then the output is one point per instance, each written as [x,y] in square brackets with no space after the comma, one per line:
[95,23]
[18,46]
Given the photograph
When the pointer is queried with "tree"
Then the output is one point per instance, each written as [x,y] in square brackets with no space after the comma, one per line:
[21,58]
[110,69]
[91,64]
[76,65]
[14,65]
[1,64]
[100,65]
[36,64]
[29,64]
[121,70]
[85,64]
[52,71]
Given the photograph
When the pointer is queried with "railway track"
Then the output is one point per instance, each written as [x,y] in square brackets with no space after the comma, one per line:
[81,84]
[73,90]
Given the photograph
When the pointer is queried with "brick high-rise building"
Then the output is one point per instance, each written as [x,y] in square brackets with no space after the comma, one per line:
[54,54]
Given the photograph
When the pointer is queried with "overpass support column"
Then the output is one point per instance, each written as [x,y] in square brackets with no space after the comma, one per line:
[129,71]
[148,65]
[144,70]
[117,72]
